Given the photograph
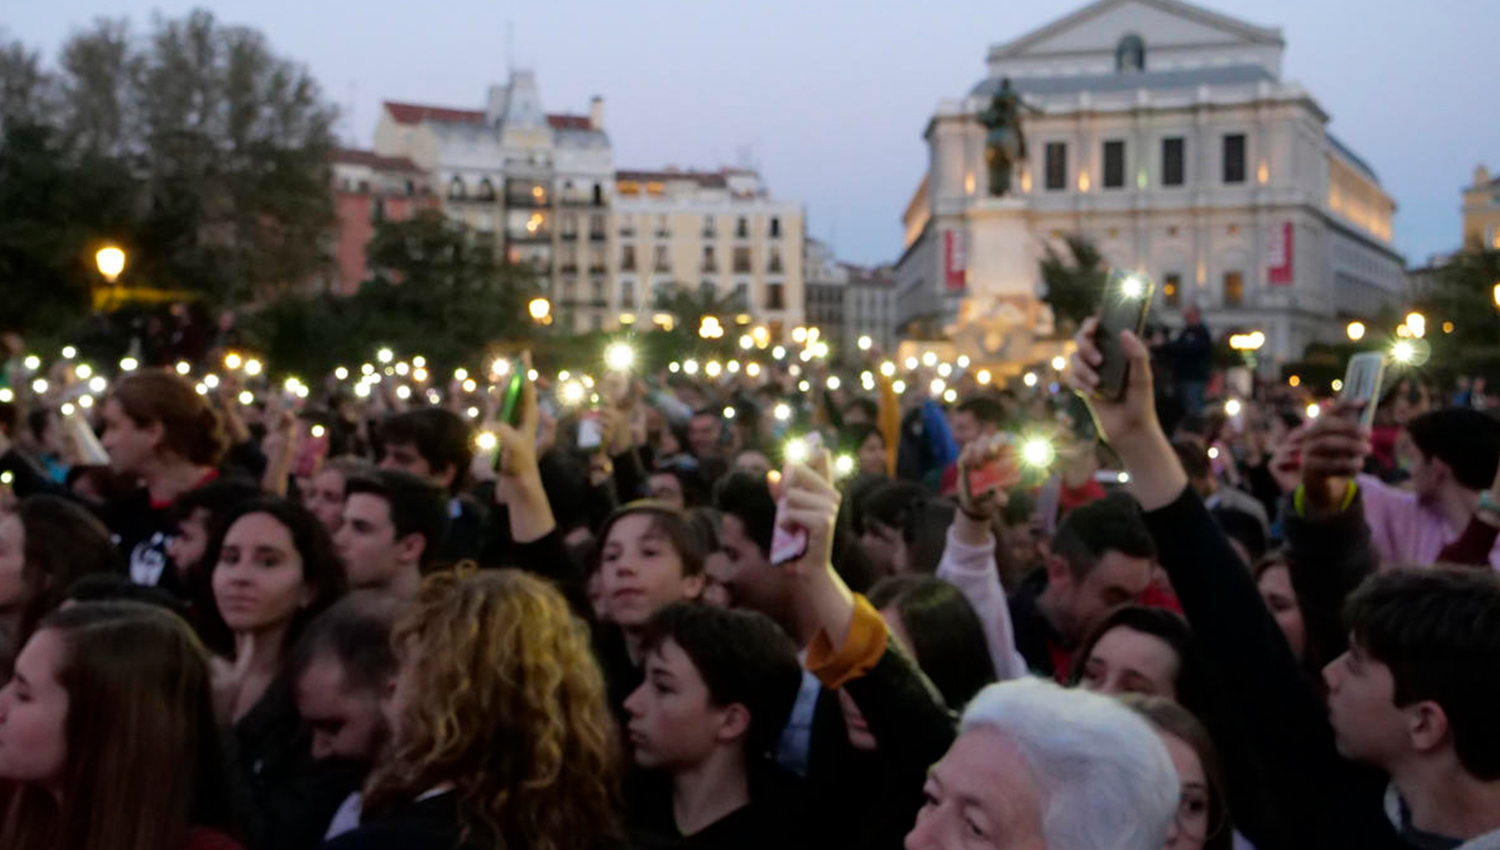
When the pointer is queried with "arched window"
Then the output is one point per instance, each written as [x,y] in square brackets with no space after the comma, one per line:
[486,190]
[1130,54]
[456,188]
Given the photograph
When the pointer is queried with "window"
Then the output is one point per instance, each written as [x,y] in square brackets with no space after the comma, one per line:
[598,195]
[663,230]
[569,226]
[706,291]
[708,227]
[1172,161]
[710,264]
[773,265]
[377,210]
[456,188]
[596,227]
[627,294]
[742,228]
[598,293]
[486,190]
[1171,289]
[1130,54]
[598,263]
[627,258]
[663,264]
[742,296]
[1057,166]
[627,225]
[775,228]
[1114,164]
[1234,158]
[1234,289]
[741,260]
[774,300]
[568,259]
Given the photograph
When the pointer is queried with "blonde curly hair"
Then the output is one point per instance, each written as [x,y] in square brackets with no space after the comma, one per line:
[507,704]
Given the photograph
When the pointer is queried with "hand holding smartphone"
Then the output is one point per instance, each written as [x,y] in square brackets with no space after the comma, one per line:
[787,545]
[1362,380]
[1126,303]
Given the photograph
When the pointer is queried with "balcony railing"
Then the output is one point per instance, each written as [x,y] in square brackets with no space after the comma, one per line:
[541,234]
[627,232]
[709,266]
[663,233]
[569,235]
[597,236]
[710,233]
[774,267]
[598,268]
[741,267]
[627,264]
[568,268]
[524,200]
[663,267]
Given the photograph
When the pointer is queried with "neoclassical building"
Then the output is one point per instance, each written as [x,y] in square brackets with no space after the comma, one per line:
[1165,133]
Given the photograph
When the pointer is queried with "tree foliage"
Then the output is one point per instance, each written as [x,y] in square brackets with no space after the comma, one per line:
[1075,283]
[214,151]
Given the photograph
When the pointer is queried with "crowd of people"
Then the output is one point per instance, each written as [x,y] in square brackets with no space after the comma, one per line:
[732,607]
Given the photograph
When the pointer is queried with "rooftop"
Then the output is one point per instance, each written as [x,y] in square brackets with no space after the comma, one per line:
[705,179]
[1186,78]
[416,113]
[351,156]
[1354,158]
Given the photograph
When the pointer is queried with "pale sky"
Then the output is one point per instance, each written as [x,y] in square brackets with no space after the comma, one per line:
[830,97]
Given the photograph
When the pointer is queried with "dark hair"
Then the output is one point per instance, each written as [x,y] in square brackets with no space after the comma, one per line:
[216,498]
[866,406]
[8,415]
[36,422]
[1194,458]
[355,631]
[63,543]
[441,437]
[416,506]
[690,478]
[1192,682]
[924,528]
[321,569]
[142,706]
[947,637]
[566,482]
[106,587]
[1466,440]
[743,657]
[891,502]
[985,410]
[854,436]
[1438,630]
[748,498]
[671,523]
[190,428]
[1244,527]
[1111,524]
[1172,719]
[101,477]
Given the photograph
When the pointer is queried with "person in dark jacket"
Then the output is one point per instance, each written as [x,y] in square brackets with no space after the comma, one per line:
[1192,352]
[1403,755]
[437,445]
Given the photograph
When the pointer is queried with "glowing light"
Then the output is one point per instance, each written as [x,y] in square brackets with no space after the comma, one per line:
[367,369]
[944,370]
[747,341]
[1338,384]
[898,387]
[460,374]
[573,393]
[888,369]
[39,386]
[779,352]
[472,413]
[929,359]
[211,381]
[97,384]
[950,395]
[1213,453]
[799,335]
[385,355]
[1059,363]
[1313,410]
[84,370]
[33,362]
[318,431]
[865,343]
[752,369]
[1447,327]
[1294,381]
[129,364]
[1418,324]
[937,386]
[1029,379]
[419,375]
[803,386]
[733,367]
[341,373]
[690,367]
[782,411]
[1123,478]
[500,367]
[1355,331]
[713,369]
[1133,286]
[834,382]
[486,441]
[1232,407]
[729,413]
[911,363]
[247,398]
[674,367]
[1247,342]
[6,478]
[963,361]
[86,402]
[843,466]
[403,392]
[619,356]
[252,367]
[111,262]
[69,352]
[1038,452]
[362,390]
[402,369]
[469,385]
[983,376]
[1404,351]
[532,374]
[68,409]
[233,361]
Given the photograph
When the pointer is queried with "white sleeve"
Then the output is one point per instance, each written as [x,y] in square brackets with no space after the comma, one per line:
[972,570]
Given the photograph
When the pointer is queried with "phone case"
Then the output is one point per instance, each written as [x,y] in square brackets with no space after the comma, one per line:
[1127,300]
[1362,380]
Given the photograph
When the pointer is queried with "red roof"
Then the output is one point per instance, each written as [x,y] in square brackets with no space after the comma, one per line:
[415,113]
[375,160]
[570,122]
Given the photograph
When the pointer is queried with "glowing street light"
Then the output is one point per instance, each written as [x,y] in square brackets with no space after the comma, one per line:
[1418,324]
[540,309]
[1356,331]
[111,262]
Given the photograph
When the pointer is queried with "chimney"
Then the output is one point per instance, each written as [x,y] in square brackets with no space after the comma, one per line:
[1481,176]
[596,113]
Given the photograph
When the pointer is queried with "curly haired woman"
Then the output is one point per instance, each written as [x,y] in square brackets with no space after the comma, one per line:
[501,733]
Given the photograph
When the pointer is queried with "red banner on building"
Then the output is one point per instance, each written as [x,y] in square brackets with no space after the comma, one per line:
[955,260]
[1279,255]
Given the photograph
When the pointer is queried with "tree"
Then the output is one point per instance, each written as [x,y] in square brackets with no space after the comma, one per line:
[1463,292]
[690,306]
[1073,288]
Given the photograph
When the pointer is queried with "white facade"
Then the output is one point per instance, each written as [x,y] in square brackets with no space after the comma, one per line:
[1164,133]
[870,307]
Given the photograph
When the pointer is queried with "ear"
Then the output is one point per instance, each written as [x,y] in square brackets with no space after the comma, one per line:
[158,434]
[411,547]
[692,586]
[734,724]
[1427,726]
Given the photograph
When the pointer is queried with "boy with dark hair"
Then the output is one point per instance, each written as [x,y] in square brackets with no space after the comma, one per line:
[438,445]
[719,687]
[394,523]
[1101,559]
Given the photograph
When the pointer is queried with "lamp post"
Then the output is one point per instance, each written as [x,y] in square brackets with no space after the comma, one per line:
[541,311]
[110,261]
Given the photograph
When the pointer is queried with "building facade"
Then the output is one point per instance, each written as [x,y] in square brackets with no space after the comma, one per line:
[870,306]
[827,283]
[717,233]
[1482,210]
[538,185]
[1165,134]
[368,189]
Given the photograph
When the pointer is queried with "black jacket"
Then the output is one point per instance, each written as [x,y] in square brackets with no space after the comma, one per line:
[775,817]
[285,797]
[430,824]
[1036,639]
[1320,800]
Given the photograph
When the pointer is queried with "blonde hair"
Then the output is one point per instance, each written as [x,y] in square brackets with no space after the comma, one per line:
[508,705]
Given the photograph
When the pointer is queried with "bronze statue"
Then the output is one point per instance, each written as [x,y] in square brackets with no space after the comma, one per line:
[1005,144]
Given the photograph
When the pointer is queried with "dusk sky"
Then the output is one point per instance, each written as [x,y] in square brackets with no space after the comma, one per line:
[829,97]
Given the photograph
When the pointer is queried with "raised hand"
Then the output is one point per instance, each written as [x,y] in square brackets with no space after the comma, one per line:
[1334,449]
[1135,413]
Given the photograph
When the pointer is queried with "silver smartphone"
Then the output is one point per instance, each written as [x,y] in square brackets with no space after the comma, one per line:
[1362,383]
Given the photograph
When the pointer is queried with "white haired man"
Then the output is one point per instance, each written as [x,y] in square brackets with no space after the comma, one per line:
[1042,768]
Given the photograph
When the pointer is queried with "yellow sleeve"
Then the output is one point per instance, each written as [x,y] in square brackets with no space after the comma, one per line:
[889,423]
[860,652]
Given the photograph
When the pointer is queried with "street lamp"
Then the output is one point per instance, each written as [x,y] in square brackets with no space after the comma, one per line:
[540,309]
[1356,331]
[1417,323]
[111,261]
[1496,294]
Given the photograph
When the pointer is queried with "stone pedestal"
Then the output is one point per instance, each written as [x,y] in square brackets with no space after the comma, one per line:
[1001,318]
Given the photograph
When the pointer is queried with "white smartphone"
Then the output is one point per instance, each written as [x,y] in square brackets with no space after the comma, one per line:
[1362,380]
[788,545]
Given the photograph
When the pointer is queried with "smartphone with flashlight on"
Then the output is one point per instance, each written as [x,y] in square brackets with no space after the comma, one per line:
[1127,301]
[788,545]
[1362,379]
[590,434]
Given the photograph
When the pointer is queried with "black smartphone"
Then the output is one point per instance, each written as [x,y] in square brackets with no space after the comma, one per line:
[1127,300]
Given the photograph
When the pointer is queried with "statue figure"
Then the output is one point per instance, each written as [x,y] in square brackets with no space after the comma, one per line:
[1005,144]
